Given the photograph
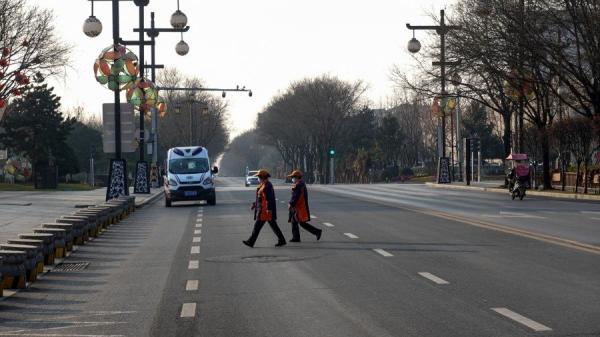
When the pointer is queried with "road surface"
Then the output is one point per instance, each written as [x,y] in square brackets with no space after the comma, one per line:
[394,260]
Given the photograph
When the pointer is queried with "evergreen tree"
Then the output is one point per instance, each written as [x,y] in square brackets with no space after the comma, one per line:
[477,125]
[35,126]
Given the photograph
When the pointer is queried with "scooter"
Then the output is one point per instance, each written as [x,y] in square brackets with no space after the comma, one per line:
[518,190]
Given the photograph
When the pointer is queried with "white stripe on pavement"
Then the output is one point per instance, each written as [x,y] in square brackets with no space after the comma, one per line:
[196,239]
[533,325]
[195,250]
[328,224]
[433,278]
[198,225]
[191,285]
[198,231]
[313,217]
[351,236]
[194,264]
[382,252]
[188,310]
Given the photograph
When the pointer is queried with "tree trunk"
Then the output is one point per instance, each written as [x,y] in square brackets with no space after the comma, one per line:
[585,174]
[546,161]
[506,136]
[577,176]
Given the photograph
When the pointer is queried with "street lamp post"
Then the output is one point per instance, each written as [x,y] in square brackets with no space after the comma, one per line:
[93,27]
[414,46]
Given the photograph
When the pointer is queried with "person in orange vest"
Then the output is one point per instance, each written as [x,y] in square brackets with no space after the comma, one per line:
[265,210]
[299,211]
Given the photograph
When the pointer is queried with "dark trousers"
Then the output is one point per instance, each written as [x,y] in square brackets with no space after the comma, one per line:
[258,225]
[296,230]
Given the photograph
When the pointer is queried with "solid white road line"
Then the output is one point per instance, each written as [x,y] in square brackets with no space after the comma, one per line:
[194,264]
[195,250]
[533,325]
[188,310]
[328,224]
[198,225]
[382,252]
[196,239]
[198,231]
[433,278]
[351,236]
[191,285]
[313,217]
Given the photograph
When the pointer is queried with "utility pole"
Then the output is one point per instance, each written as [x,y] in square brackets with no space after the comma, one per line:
[414,46]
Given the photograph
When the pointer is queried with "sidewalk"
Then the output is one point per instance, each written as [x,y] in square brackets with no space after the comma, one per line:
[494,187]
[23,210]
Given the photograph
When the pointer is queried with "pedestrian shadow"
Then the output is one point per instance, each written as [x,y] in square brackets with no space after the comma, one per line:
[369,246]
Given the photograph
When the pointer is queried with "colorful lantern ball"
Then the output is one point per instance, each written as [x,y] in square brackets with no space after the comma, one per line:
[117,68]
[143,94]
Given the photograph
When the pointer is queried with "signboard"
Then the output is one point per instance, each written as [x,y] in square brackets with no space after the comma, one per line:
[128,134]
[444,171]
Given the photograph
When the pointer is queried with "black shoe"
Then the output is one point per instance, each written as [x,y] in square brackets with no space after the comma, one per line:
[319,235]
[280,243]
[247,243]
[295,240]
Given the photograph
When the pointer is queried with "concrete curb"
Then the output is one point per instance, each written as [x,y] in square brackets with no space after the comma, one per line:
[584,197]
[50,241]
[152,198]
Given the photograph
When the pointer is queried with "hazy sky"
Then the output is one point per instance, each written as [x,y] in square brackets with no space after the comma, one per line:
[262,44]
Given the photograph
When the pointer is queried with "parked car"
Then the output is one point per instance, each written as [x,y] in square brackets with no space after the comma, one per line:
[251,179]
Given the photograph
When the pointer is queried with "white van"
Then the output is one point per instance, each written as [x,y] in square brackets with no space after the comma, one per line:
[188,175]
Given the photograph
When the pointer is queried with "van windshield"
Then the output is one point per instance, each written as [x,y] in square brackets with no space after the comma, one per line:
[188,165]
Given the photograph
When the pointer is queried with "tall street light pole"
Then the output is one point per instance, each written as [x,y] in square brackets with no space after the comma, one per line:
[414,46]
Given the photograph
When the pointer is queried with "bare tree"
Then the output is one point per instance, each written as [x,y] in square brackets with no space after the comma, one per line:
[29,48]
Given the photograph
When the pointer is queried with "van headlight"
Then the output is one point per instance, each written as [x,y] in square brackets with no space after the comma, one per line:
[172,182]
[208,181]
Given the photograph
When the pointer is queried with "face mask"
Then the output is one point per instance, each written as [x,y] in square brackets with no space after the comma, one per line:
[294,180]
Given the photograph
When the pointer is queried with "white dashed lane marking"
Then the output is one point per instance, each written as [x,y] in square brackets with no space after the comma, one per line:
[533,325]
[199,225]
[195,250]
[382,252]
[194,264]
[433,278]
[313,217]
[351,236]
[196,239]
[188,310]
[191,285]
[328,224]
[198,231]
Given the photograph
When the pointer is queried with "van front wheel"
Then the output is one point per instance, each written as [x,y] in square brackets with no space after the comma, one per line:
[212,201]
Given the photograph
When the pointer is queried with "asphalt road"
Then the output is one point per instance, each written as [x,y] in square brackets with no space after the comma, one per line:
[392,262]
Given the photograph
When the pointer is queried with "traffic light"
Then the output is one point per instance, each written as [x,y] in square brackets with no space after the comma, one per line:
[331,152]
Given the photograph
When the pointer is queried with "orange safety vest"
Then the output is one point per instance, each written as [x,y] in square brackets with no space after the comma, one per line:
[262,205]
[301,207]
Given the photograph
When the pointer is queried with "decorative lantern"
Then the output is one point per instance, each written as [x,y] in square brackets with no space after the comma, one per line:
[117,68]
[143,94]
[182,48]
[92,27]
[178,20]
[161,107]
[414,45]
